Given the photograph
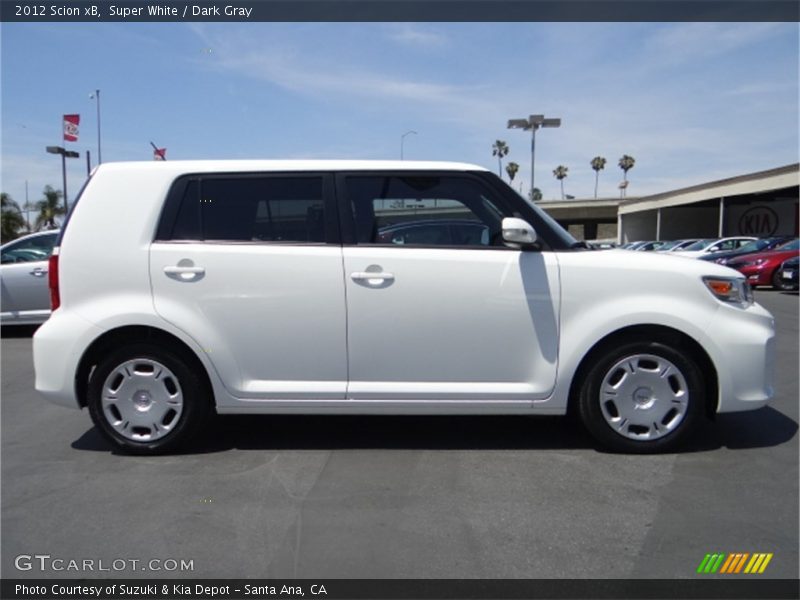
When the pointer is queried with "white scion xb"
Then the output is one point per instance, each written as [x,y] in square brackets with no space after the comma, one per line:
[180,289]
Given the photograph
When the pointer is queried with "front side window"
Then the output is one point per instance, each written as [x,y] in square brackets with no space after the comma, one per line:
[424,211]
[252,209]
[31,249]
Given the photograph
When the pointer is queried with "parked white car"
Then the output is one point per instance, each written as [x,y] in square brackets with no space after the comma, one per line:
[265,287]
[23,277]
[706,247]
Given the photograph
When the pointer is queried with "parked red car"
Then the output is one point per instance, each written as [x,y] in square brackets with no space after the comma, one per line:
[762,268]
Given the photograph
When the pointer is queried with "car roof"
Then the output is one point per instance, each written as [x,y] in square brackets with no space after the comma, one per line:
[208,166]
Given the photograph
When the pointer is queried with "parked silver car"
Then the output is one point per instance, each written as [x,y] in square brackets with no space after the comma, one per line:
[23,275]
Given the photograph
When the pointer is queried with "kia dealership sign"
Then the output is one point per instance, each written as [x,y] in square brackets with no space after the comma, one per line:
[758,221]
[779,217]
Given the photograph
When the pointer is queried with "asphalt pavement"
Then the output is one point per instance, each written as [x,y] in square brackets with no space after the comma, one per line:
[395,497]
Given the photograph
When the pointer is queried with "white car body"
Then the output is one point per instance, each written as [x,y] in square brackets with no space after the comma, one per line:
[352,328]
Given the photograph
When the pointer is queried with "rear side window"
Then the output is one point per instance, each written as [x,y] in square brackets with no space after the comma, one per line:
[251,209]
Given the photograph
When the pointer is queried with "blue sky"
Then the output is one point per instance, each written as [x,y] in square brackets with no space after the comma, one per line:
[692,102]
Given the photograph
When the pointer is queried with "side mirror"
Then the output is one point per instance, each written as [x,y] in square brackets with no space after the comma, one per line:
[518,232]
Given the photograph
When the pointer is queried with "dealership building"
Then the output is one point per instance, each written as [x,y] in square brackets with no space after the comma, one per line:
[758,204]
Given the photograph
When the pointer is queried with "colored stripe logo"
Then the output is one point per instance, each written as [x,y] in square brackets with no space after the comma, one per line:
[735,563]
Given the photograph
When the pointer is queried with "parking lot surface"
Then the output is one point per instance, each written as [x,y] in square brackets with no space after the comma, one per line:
[396,497]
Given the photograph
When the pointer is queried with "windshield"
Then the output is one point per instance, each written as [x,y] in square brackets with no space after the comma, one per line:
[793,245]
[699,245]
[669,245]
[754,246]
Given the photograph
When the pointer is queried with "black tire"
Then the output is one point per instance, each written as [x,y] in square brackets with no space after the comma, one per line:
[778,283]
[195,408]
[688,386]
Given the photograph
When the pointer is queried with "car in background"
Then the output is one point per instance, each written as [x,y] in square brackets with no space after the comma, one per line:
[763,268]
[650,246]
[709,246]
[25,296]
[788,274]
[762,245]
[449,232]
[632,245]
[602,245]
[676,245]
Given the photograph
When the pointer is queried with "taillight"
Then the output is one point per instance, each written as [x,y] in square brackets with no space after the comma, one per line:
[52,279]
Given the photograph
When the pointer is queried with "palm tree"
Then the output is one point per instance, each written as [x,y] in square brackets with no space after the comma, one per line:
[560,173]
[598,163]
[11,220]
[511,169]
[49,208]
[535,195]
[626,164]
[499,149]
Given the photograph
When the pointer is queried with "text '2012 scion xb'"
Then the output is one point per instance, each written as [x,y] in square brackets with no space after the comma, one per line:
[181,289]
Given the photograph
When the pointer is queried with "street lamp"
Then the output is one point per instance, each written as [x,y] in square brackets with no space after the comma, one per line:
[96,96]
[403,139]
[533,123]
[65,154]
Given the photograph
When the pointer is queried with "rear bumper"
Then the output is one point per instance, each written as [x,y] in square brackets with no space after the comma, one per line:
[58,346]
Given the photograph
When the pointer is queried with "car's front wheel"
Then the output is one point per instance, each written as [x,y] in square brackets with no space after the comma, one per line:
[642,397]
[146,399]
[779,283]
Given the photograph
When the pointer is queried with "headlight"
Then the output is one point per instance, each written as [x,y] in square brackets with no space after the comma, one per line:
[755,263]
[731,290]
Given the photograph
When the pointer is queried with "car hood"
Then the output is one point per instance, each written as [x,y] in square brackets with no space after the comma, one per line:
[653,261]
[778,255]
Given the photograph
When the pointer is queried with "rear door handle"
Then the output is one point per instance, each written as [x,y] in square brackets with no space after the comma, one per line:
[39,272]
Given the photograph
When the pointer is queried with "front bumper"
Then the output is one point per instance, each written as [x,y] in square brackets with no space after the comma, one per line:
[741,344]
[756,275]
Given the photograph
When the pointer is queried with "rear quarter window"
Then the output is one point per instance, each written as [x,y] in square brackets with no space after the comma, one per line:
[230,208]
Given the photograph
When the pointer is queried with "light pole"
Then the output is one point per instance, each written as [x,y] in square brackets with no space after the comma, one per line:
[403,139]
[533,123]
[96,96]
[65,154]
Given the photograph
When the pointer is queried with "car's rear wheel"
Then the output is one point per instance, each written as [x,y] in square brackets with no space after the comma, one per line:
[146,399]
[642,397]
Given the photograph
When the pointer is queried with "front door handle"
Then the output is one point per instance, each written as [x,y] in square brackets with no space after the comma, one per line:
[372,278]
[184,273]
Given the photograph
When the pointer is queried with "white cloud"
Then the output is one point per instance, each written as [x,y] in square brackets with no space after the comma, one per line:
[416,36]
[690,42]
[312,75]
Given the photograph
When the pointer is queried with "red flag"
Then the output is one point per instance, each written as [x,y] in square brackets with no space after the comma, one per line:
[71,127]
[159,154]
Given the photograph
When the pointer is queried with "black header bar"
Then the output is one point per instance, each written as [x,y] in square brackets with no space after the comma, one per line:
[730,588]
[402,10]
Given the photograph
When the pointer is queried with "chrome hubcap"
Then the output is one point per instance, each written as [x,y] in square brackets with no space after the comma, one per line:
[142,400]
[644,397]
